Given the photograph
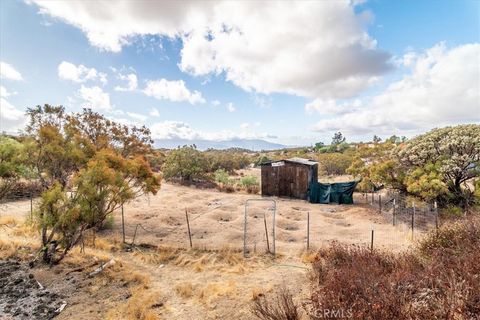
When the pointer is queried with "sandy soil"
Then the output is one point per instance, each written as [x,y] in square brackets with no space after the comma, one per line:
[198,284]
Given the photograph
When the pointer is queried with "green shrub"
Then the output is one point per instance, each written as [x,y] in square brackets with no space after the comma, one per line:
[250,183]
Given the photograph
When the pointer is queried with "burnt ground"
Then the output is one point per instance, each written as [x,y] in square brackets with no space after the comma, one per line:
[22,296]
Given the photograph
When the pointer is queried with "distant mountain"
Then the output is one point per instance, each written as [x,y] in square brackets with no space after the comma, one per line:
[250,144]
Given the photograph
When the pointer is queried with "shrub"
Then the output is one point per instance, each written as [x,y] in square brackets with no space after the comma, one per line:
[334,163]
[250,183]
[279,306]
[437,281]
[185,163]
[224,183]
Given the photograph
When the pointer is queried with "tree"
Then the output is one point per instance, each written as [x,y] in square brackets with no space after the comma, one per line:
[11,164]
[376,139]
[451,154]
[185,163]
[318,146]
[334,163]
[337,138]
[89,167]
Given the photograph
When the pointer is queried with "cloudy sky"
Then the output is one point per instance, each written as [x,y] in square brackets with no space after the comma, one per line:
[287,72]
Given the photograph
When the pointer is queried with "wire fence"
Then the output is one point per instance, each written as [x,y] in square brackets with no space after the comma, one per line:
[391,220]
[409,215]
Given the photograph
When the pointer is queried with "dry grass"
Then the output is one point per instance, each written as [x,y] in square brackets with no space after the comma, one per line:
[140,305]
[213,291]
[184,289]
[208,293]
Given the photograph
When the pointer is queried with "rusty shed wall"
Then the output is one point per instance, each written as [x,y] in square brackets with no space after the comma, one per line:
[289,180]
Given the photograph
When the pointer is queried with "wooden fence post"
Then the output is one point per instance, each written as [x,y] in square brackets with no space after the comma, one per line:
[373,195]
[123,226]
[266,232]
[436,214]
[308,230]
[380,203]
[188,226]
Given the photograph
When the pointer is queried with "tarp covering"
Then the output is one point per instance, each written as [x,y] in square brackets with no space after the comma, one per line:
[341,192]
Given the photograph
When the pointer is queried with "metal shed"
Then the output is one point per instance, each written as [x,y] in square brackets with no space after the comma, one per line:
[289,178]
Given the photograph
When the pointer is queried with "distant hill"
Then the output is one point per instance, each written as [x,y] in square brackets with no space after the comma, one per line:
[250,144]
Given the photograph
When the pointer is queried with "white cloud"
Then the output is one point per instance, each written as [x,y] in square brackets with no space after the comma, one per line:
[7,71]
[332,107]
[181,130]
[132,82]
[216,103]
[172,90]
[263,47]
[137,116]
[11,119]
[230,107]
[80,73]
[95,98]
[442,88]
[4,93]
[154,112]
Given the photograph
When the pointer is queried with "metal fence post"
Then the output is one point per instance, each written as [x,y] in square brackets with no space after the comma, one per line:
[373,195]
[394,213]
[371,241]
[436,214]
[123,225]
[31,205]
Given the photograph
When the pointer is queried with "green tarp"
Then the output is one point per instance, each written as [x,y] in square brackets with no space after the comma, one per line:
[341,193]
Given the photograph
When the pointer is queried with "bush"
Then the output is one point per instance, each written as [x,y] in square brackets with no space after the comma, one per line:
[278,307]
[440,280]
[334,163]
[224,183]
[250,183]
[185,163]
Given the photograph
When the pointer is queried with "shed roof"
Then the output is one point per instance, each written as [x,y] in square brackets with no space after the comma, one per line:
[304,161]
[296,160]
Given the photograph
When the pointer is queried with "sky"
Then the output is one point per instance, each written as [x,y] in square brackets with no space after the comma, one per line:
[286,72]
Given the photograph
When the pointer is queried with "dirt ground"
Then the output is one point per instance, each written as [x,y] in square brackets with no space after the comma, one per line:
[212,280]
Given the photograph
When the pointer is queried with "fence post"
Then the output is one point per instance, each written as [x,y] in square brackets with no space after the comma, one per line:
[394,213]
[266,232]
[188,226]
[371,241]
[373,195]
[308,230]
[31,205]
[123,226]
[380,203]
[436,214]
[413,218]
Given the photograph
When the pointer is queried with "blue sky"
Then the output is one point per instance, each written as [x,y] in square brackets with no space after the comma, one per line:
[292,73]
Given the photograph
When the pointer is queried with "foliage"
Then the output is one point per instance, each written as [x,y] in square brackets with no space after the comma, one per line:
[338,138]
[426,182]
[454,153]
[280,306]
[101,161]
[229,161]
[185,163]
[221,176]
[334,163]
[11,164]
[439,280]
[250,183]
